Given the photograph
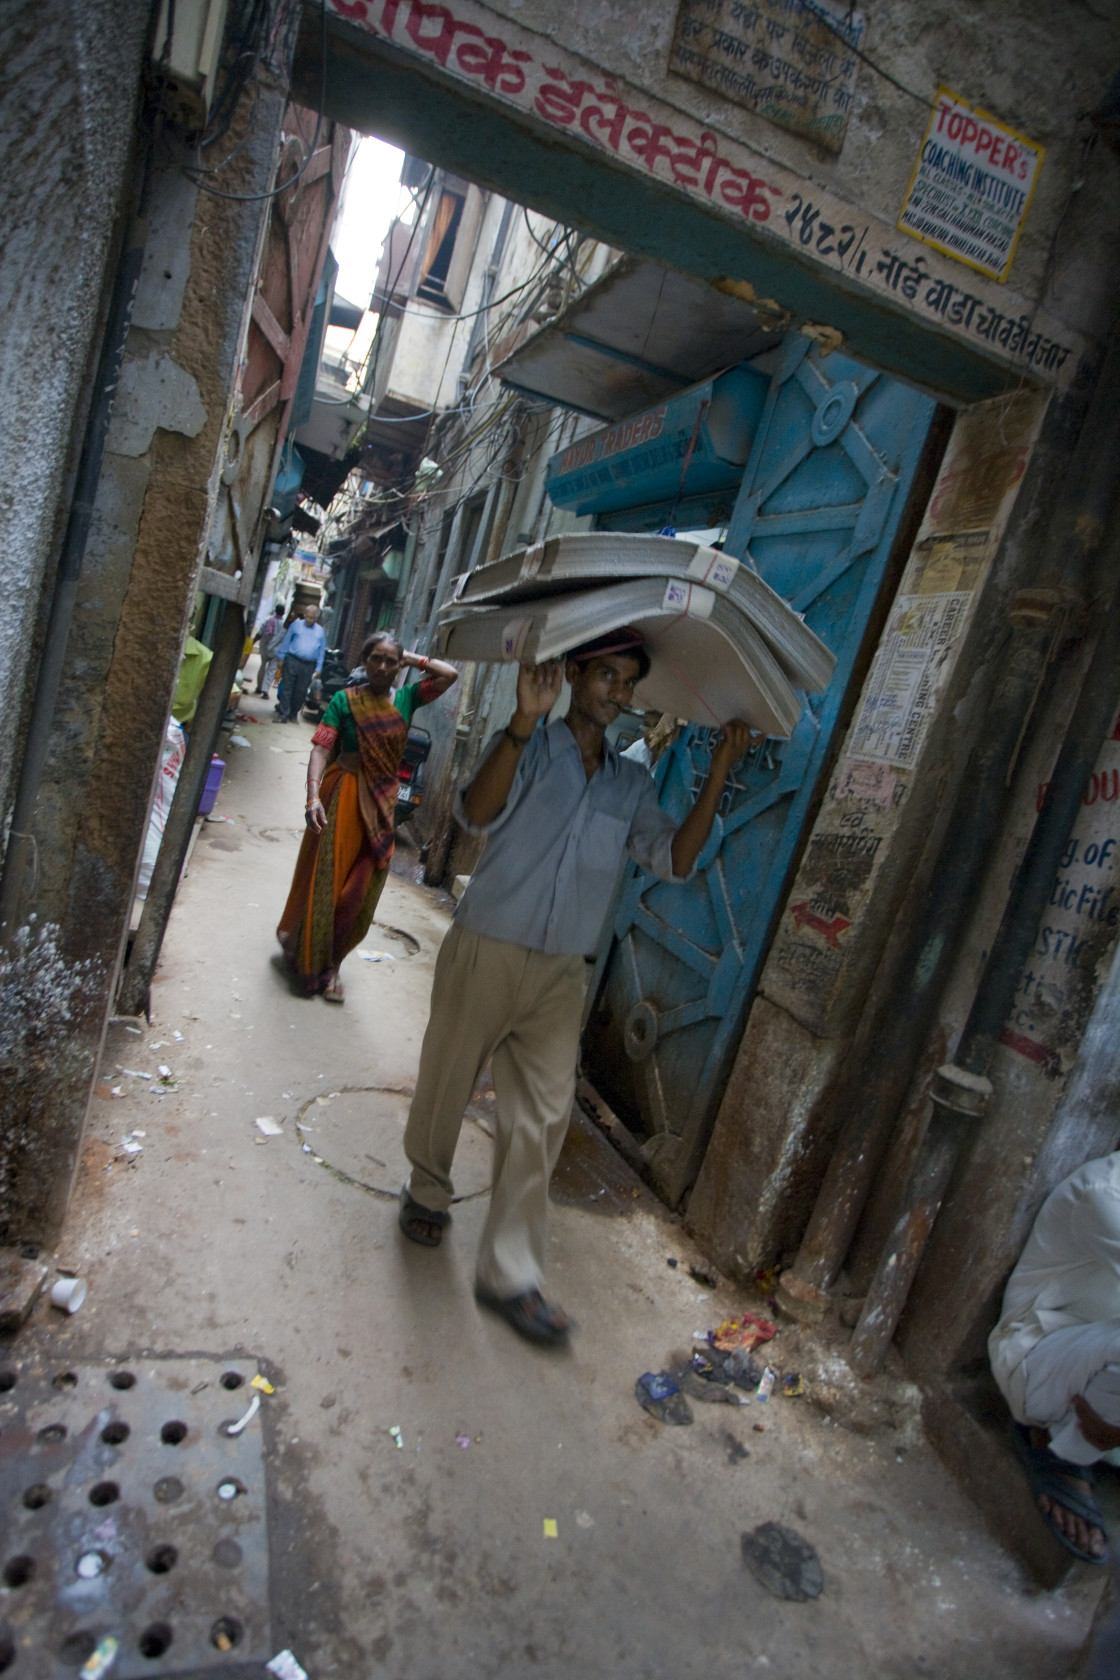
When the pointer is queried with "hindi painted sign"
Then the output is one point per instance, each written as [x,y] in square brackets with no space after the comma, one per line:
[574,98]
[788,60]
[971,186]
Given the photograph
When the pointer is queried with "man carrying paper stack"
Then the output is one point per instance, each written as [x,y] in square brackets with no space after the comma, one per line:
[559,808]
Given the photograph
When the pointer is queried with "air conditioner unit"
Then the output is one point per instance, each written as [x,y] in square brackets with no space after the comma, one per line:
[188,60]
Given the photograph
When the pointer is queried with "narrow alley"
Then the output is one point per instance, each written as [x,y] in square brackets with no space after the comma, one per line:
[672,452]
[426,1555]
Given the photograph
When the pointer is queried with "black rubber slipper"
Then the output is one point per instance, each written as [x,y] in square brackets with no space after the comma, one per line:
[530,1315]
[414,1216]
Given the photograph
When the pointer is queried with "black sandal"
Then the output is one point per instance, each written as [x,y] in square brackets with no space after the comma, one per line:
[1057,1478]
[420,1224]
[530,1315]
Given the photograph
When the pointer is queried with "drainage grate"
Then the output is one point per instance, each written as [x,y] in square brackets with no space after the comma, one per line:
[126,1509]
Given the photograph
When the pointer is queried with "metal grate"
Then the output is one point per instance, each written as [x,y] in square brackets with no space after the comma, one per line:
[112,1521]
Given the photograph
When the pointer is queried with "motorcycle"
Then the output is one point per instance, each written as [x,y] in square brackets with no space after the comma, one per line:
[411,774]
[324,687]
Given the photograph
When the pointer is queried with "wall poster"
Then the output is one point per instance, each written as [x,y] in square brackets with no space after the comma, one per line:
[971,186]
[913,662]
[1075,939]
[789,60]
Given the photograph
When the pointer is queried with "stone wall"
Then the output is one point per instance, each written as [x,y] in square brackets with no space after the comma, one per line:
[67,172]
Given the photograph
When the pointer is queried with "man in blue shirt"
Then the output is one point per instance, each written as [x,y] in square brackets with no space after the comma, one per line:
[302,652]
[560,809]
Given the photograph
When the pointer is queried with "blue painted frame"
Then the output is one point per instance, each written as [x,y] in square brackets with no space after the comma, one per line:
[817,513]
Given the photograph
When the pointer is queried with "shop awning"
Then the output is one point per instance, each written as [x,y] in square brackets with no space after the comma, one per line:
[640,334]
[686,446]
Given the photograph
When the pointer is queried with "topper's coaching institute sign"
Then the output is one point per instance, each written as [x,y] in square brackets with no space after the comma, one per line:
[971,186]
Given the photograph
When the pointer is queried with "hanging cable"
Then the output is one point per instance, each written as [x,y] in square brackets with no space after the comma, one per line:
[274,192]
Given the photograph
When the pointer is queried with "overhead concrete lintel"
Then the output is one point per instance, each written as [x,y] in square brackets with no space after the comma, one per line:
[900,306]
[154,394]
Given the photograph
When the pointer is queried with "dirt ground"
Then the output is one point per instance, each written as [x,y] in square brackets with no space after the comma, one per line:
[433,1559]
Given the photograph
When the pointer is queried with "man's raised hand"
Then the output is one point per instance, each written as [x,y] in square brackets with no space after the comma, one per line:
[538,688]
[736,740]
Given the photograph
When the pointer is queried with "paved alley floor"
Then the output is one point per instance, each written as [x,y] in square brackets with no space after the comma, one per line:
[429,1555]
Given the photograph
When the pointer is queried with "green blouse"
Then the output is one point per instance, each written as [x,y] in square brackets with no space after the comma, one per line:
[338,715]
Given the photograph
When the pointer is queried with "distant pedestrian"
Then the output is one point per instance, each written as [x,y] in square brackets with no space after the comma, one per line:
[351,804]
[268,639]
[294,611]
[302,651]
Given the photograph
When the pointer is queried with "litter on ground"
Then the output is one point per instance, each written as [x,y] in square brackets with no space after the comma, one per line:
[100,1659]
[785,1563]
[285,1667]
[747,1332]
[659,1394]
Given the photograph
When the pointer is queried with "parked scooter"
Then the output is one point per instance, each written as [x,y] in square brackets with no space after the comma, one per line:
[325,686]
[411,774]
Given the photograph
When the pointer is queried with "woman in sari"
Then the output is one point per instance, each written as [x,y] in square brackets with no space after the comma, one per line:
[351,799]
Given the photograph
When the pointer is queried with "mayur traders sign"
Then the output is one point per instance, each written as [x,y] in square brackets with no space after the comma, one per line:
[971,186]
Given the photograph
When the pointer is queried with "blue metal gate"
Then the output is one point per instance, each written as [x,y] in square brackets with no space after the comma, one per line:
[822,496]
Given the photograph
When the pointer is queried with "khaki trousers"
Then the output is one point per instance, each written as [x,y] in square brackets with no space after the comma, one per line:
[519,1010]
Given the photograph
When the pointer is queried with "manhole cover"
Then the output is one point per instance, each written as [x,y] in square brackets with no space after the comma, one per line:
[397,940]
[360,1134]
[126,1509]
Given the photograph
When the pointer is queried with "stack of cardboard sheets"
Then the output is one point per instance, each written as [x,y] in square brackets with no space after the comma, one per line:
[722,644]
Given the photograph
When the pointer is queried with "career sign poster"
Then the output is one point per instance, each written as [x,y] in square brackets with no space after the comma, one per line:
[971,186]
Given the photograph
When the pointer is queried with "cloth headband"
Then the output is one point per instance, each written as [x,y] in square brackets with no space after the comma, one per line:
[625,640]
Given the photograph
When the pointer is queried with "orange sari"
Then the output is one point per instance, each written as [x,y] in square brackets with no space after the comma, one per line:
[339,873]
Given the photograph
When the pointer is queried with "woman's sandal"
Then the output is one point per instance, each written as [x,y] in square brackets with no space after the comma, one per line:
[420,1224]
[530,1315]
[334,992]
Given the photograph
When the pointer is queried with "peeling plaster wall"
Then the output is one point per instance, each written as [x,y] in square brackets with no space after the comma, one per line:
[70,98]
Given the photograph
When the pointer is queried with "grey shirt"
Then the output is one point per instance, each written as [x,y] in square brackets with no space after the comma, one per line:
[553,854]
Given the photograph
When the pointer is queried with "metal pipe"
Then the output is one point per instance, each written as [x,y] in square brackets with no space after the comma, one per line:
[21,842]
[480,323]
[947,1134]
[959,1100]
[136,981]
